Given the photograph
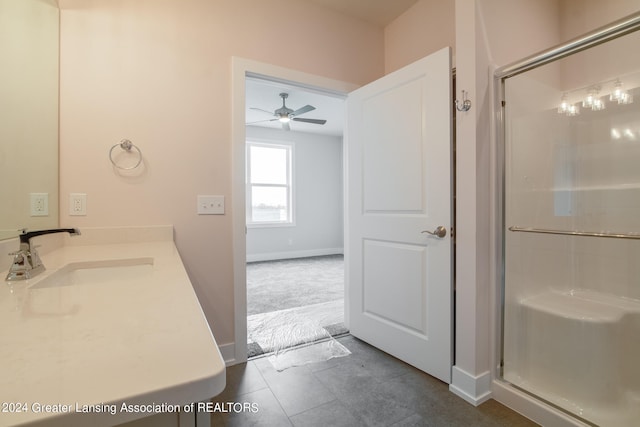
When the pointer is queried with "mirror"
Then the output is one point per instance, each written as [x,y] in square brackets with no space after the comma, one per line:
[29,37]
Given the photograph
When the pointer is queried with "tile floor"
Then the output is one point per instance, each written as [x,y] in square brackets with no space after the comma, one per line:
[367,388]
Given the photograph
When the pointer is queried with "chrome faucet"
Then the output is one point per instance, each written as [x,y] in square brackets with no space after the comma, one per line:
[26,261]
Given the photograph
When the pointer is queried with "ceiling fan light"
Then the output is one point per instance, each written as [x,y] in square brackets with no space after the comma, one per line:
[284,119]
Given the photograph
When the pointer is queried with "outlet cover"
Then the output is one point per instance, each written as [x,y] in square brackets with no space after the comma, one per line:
[39,204]
[77,204]
[210,205]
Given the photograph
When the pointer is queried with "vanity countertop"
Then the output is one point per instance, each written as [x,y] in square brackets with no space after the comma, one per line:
[118,344]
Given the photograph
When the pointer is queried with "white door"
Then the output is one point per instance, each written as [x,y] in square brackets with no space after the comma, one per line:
[399,185]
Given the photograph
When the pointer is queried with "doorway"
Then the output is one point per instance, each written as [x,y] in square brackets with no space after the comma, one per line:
[294,215]
[241,69]
[419,88]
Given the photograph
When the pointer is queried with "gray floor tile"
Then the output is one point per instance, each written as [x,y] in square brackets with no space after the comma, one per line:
[376,408]
[429,398]
[418,388]
[333,414]
[381,365]
[377,362]
[346,379]
[269,412]
[297,389]
[364,395]
[367,388]
[241,379]
[321,366]
[414,420]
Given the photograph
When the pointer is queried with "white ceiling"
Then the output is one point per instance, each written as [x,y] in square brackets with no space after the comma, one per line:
[265,95]
[377,12]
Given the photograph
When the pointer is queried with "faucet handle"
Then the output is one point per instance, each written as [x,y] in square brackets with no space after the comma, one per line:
[18,258]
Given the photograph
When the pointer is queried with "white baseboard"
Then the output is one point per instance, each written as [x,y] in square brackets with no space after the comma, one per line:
[473,389]
[228,352]
[272,256]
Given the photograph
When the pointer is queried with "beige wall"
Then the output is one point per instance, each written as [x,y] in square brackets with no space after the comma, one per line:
[425,28]
[581,16]
[517,28]
[28,112]
[158,72]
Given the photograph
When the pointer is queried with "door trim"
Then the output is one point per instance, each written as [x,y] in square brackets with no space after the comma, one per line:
[241,68]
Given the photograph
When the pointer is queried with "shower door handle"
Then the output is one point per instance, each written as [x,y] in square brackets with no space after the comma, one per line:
[440,231]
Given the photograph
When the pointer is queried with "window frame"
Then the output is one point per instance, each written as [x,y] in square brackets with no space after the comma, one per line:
[289,147]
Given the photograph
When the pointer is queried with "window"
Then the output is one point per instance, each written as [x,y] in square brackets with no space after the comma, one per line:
[269,186]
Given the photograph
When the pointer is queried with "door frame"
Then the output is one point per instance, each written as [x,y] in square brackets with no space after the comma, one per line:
[241,68]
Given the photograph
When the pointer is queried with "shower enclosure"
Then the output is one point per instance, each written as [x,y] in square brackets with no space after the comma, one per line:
[571,238]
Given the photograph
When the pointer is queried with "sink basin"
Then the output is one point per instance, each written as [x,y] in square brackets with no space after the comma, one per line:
[97,272]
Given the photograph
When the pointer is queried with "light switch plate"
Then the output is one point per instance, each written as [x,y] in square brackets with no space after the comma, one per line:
[210,205]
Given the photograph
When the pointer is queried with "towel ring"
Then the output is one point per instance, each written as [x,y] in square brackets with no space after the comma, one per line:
[126,145]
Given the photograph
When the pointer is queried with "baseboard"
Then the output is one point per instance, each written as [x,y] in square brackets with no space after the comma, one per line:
[228,352]
[272,256]
[473,389]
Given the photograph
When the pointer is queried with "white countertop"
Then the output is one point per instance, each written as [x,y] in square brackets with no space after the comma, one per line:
[138,341]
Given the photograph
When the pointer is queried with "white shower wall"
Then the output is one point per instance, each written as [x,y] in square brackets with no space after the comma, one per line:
[573,175]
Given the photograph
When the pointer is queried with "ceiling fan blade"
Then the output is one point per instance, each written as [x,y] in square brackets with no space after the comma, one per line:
[261,121]
[314,121]
[260,109]
[286,126]
[303,110]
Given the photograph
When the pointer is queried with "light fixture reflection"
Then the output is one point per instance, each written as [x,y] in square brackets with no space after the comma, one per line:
[625,98]
[615,133]
[564,104]
[573,110]
[626,134]
[593,100]
[597,104]
[592,96]
[629,134]
[618,93]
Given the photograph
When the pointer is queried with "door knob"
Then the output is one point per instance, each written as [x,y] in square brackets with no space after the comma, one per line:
[440,231]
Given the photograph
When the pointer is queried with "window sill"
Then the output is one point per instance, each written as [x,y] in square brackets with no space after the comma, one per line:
[271,225]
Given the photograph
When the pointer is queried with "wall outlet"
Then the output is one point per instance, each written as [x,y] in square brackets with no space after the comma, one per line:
[39,204]
[77,204]
[210,205]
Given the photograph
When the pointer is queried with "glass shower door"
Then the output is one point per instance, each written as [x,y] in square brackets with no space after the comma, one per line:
[571,319]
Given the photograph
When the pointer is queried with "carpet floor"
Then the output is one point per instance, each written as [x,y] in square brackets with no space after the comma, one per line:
[290,283]
[292,302]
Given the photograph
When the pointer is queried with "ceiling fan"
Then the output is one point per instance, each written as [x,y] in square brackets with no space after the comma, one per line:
[284,115]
